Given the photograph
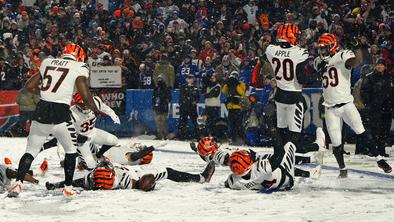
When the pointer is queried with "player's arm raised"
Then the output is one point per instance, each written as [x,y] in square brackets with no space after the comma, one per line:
[358,52]
[33,83]
[84,91]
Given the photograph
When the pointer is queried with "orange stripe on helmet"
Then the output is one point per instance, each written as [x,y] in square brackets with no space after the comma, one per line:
[240,162]
[206,146]
[287,33]
[330,40]
[75,51]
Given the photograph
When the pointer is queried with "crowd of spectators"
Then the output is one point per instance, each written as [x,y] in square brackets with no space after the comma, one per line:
[178,38]
[171,41]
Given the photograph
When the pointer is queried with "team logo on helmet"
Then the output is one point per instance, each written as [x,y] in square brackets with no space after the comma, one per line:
[75,51]
[78,102]
[240,162]
[328,45]
[103,176]
[287,33]
[206,146]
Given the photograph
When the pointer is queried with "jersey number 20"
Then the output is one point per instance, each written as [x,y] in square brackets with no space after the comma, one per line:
[48,77]
[287,69]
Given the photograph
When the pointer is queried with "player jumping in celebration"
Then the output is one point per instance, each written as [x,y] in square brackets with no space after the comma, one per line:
[335,68]
[288,62]
[106,176]
[84,120]
[56,83]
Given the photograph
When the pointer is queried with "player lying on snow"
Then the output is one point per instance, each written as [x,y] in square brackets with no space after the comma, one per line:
[7,173]
[135,154]
[209,150]
[107,176]
[84,121]
[266,174]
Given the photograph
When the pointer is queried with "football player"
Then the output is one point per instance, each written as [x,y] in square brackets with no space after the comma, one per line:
[135,154]
[107,176]
[55,83]
[288,62]
[208,150]
[275,173]
[335,67]
[84,121]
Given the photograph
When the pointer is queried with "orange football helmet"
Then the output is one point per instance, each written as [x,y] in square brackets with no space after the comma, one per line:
[287,33]
[103,176]
[147,158]
[328,44]
[240,162]
[78,102]
[206,146]
[74,51]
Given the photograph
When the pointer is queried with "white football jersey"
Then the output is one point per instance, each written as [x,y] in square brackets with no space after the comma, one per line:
[85,122]
[4,181]
[337,79]
[261,177]
[124,176]
[284,62]
[58,79]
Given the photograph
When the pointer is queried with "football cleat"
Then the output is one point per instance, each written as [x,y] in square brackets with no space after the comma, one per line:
[320,139]
[15,189]
[342,174]
[68,191]
[384,166]
[208,172]
[50,186]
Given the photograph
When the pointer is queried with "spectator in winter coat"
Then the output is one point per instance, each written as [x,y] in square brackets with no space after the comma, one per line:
[235,91]
[212,102]
[207,51]
[188,99]
[146,77]
[164,67]
[223,70]
[184,70]
[160,100]
[27,102]
[377,92]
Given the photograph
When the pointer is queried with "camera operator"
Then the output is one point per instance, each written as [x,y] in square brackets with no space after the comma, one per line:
[235,91]
[377,93]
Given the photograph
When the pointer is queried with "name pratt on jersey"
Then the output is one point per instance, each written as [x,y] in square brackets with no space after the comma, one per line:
[282,53]
[59,62]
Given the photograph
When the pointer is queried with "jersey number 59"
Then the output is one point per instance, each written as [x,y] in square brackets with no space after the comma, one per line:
[331,79]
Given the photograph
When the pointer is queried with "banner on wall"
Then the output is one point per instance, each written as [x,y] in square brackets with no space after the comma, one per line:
[139,108]
[105,77]
[114,98]
[9,110]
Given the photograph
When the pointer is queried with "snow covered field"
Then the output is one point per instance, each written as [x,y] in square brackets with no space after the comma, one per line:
[367,195]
